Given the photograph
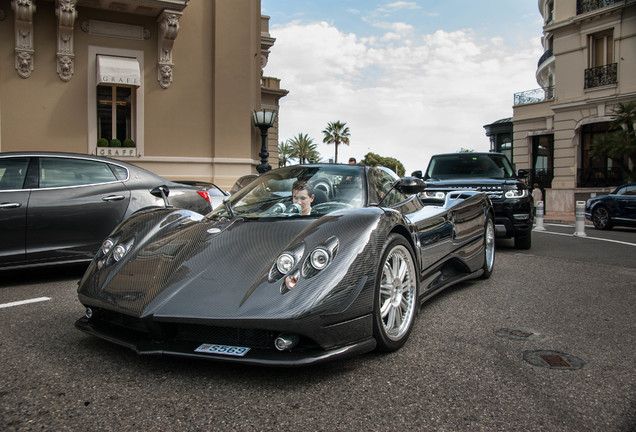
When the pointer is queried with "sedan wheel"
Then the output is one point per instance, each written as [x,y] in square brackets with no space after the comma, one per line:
[396,295]
[601,218]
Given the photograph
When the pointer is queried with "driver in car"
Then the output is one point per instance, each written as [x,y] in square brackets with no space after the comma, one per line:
[303,195]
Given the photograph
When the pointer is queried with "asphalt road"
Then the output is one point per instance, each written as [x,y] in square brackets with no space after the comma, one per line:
[467,365]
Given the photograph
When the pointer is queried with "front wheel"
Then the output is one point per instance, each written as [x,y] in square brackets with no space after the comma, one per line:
[396,290]
[523,242]
[601,218]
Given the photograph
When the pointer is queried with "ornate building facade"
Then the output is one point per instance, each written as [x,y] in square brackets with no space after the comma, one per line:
[587,69]
[169,85]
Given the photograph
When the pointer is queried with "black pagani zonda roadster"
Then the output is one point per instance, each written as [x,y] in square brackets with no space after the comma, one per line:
[257,281]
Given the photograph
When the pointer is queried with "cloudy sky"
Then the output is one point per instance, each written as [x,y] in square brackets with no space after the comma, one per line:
[410,78]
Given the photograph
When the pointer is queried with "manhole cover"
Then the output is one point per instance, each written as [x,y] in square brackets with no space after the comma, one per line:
[514,334]
[553,360]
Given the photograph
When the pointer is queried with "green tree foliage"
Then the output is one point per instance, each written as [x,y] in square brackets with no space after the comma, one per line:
[619,143]
[372,159]
[336,133]
[303,148]
[284,153]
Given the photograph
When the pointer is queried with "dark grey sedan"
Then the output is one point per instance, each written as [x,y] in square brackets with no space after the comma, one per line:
[613,209]
[58,207]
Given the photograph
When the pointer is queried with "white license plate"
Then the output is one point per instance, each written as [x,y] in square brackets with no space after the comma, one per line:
[222,349]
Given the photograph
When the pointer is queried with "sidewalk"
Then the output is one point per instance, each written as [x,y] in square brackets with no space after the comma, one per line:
[563,218]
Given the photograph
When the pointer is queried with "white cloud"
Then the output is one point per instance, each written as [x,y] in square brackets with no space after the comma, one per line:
[403,96]
[403,5]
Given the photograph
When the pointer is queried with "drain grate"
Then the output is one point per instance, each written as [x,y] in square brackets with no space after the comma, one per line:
[553,360]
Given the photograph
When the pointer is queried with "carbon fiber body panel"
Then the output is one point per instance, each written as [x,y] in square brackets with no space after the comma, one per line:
[189,280]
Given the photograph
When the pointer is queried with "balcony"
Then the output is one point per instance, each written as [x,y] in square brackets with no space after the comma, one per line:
[601,75]
[583,6]
[546,55]
[533,96]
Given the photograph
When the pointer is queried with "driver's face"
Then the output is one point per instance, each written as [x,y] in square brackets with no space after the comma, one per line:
[303,200]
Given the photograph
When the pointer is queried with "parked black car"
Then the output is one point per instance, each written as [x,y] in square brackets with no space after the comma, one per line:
[59,207]
[493,174]
[613,209]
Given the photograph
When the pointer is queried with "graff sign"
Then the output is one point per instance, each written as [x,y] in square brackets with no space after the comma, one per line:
[118,151]
[119,80]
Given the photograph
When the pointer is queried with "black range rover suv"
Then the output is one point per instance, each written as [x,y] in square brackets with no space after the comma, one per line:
[492,174]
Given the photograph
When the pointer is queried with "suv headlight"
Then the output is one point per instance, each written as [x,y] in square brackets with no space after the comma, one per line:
[517,193]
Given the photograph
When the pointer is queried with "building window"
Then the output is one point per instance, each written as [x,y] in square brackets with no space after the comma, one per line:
[597,171]
[601,48]
[115,113]
[543,160]
[601,67]
[115,102]
[549,11]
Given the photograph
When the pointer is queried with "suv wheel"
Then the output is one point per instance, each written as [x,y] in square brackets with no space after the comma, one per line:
[524,242]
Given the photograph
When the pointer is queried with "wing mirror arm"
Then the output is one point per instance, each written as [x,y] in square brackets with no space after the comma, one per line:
[162,192]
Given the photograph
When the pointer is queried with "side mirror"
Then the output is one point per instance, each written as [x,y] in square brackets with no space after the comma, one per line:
[411,185]
[522,173]
[162,192]
[417,174]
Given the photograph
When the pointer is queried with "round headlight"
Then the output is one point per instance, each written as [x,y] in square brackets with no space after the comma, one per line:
[284,263]
[319,259]
[119,252]
[107,246]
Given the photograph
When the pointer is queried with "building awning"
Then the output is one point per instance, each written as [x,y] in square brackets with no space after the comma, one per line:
[118,71]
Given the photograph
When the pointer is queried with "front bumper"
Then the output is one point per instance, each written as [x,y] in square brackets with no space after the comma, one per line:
[513,219]
[259,353]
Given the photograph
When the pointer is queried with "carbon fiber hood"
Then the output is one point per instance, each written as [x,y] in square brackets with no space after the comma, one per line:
[220,269]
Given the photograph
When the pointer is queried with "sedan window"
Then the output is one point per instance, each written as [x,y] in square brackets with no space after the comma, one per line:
[627,190]
[60,172]
[13,172]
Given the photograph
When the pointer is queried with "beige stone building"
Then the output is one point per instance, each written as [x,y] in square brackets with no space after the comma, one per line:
[175,81]
[589,66]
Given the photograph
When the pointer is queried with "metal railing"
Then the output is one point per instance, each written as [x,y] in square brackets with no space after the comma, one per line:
[601,75]
[583,6]
[546,55]
[535,95]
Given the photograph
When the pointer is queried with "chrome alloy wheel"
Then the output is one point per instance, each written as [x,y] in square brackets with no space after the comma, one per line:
[490,246]
[397,293]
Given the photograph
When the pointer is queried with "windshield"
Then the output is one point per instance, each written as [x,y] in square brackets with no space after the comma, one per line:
[311,190]
[469,165]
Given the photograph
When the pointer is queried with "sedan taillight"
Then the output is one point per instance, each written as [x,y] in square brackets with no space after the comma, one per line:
[204,195]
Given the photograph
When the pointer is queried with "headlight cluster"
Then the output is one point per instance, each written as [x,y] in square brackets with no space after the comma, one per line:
[287,264]
[117,250]
[517,193]
[433,195]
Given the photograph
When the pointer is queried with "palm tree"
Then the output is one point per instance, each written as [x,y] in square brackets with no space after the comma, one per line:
[336,133]
[284,153]
[619,143]
[303,148]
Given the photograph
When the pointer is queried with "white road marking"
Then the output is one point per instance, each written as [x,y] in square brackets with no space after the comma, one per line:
[587,237]
[18,303]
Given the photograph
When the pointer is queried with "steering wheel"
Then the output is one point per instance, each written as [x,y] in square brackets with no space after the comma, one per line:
[328,207]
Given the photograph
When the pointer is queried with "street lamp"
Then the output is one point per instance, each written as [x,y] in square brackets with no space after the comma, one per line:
[264,119]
